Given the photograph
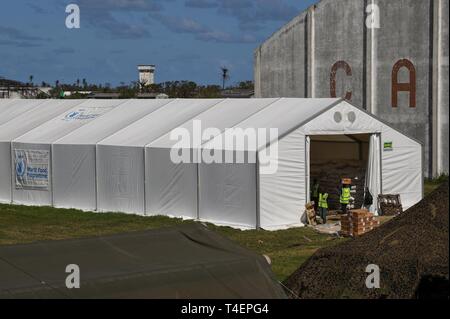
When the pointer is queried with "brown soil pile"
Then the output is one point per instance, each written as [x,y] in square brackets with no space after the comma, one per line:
[411,251]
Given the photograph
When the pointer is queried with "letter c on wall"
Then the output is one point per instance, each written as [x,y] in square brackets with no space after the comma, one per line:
[348,71]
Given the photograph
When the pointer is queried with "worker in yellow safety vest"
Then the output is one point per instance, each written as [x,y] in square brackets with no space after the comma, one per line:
[315,194]
[344,197]
[323,206]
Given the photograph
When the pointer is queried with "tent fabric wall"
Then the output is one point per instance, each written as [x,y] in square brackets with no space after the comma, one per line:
[282,194]
[228,194]
[121,157]
[73,156]
[41,139]
[18,126]
[172,187]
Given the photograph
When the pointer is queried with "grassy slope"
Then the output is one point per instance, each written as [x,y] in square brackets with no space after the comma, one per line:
[287,248]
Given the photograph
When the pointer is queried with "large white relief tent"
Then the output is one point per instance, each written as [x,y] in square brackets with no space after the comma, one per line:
[73,156]
[115,155]
[18,126]
[31,152]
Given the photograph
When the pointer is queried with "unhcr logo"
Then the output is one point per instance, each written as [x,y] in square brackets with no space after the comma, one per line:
[231,146]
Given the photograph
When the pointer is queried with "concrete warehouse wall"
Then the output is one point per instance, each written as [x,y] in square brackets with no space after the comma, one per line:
[398,71]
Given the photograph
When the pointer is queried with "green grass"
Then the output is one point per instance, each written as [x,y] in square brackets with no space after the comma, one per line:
[23,224]
[287,249]
[431,184]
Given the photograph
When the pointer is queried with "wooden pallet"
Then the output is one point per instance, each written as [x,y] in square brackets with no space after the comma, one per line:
[389,205]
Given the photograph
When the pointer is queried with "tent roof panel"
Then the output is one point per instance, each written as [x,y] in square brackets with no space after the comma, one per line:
[34,117]
[70,120]
[18,106]
[284,115]
[159,122]
[221,116]
[108,124]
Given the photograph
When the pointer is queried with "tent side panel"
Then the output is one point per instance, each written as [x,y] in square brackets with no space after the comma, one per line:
[171,189]
[228,194]
[5,172]
[74,176]
[120,179]
[32,184]
[401,167]
[283,188]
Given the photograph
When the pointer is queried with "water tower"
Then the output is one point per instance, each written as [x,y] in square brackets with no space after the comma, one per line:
[146,74]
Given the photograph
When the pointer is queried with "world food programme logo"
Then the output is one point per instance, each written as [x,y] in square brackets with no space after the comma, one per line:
[20,167]
[72,115]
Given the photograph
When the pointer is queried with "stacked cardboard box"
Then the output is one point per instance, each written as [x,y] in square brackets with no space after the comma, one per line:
[358,222]
[330,173]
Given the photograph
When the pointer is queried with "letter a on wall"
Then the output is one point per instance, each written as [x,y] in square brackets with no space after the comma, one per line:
[404,87]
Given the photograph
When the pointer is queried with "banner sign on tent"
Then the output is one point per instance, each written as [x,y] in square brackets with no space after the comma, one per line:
[31,169]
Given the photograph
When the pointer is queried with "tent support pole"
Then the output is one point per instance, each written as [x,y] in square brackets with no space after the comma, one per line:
[198,190]
[258,217]
[381,162]
[13,171]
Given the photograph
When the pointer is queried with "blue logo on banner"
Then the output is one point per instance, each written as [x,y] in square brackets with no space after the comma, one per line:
[20,167]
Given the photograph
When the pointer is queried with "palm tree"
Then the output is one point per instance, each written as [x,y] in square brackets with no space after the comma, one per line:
[225,76]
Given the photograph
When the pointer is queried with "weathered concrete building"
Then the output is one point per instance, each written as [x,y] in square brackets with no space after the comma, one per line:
[387,56]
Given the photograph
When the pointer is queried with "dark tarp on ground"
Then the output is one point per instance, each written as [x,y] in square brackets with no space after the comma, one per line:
[181,262]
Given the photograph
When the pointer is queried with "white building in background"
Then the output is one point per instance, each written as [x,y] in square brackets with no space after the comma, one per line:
[146,74]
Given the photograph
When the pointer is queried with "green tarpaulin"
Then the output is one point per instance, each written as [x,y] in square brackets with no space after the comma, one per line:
[182,262]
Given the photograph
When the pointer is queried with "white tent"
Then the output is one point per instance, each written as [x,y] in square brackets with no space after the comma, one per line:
[171,188]
[271,191]
[19,126]
[14,107]
[66,162]
[31,153]
[120,157]
[73,156]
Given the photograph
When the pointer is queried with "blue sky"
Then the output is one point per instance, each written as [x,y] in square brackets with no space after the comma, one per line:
[186,39]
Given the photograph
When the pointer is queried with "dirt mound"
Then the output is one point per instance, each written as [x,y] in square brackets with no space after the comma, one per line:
[411,251]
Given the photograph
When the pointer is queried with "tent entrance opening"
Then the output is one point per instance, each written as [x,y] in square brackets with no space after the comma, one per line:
[333,157]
